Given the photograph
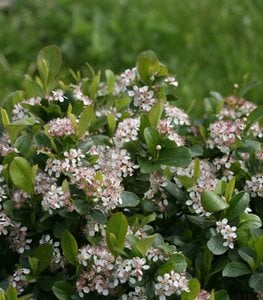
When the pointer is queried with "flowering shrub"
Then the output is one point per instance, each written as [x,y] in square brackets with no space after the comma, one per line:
[110,190]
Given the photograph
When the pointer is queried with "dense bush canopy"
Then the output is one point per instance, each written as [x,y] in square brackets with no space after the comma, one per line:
[108,189]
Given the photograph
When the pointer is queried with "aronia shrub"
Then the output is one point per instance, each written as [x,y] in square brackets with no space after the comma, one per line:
[109,190]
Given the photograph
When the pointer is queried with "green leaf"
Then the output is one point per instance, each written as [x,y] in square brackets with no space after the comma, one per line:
[5,118]
[33,262]
[249,221]
[94,86]
[156,113]
[167,267]
[110,81]
[129,199]
[254,116]
[143,245]
[147,166]
[221,295]
[212,202]
[63,290]
[230,189]
[248,86]
[23,143]
[11,293]
[258,247]
[82,206]
[194,287]
[42,140]
[70,247]
[44,254]
[256,281]
[116,231]
[152,138]
[180,262]
[236,269]
[21,174]
[215,245]
[111,123]
[173,189]
[237,205]
[178,157]
[186,181]
[246,255]
[87,118]
[144,62]
[49,62]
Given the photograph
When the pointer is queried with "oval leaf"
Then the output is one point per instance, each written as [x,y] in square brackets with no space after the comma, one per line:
[116,231]
[69,246]
[129,199]
[236,269]
[21,175]
[212,202]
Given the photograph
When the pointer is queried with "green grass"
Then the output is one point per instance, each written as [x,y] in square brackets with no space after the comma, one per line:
[209,44]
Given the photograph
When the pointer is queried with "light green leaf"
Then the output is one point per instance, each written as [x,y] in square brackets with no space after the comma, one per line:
[156,113]
[11,293]
[21,174]
[143,245]
[110,81]
[70,247]
[87,118]
[49,62]
[111,123]
[254,116]
[144,61]
[116,232]
[230,189]
[152,138]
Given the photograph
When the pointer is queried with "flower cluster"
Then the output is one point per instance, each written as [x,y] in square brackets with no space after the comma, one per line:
[228,232]
[170,284]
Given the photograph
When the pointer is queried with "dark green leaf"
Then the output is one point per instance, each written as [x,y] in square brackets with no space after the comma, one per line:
[63,290]
[236,269]
[215,245]
[256,281]
[144,61]
[129,199]
[156,113]
[237,205]
[44,254]
[178,157]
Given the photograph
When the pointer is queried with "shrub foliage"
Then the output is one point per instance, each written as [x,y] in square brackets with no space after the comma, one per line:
[108,189]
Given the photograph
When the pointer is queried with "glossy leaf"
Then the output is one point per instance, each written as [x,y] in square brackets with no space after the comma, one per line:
[212,202]
[236,269]
[129,199]
[62,290]
[21,174]
[69,246]
[116,232]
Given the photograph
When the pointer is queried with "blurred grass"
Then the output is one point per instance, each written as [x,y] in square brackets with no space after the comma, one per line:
[209,44]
